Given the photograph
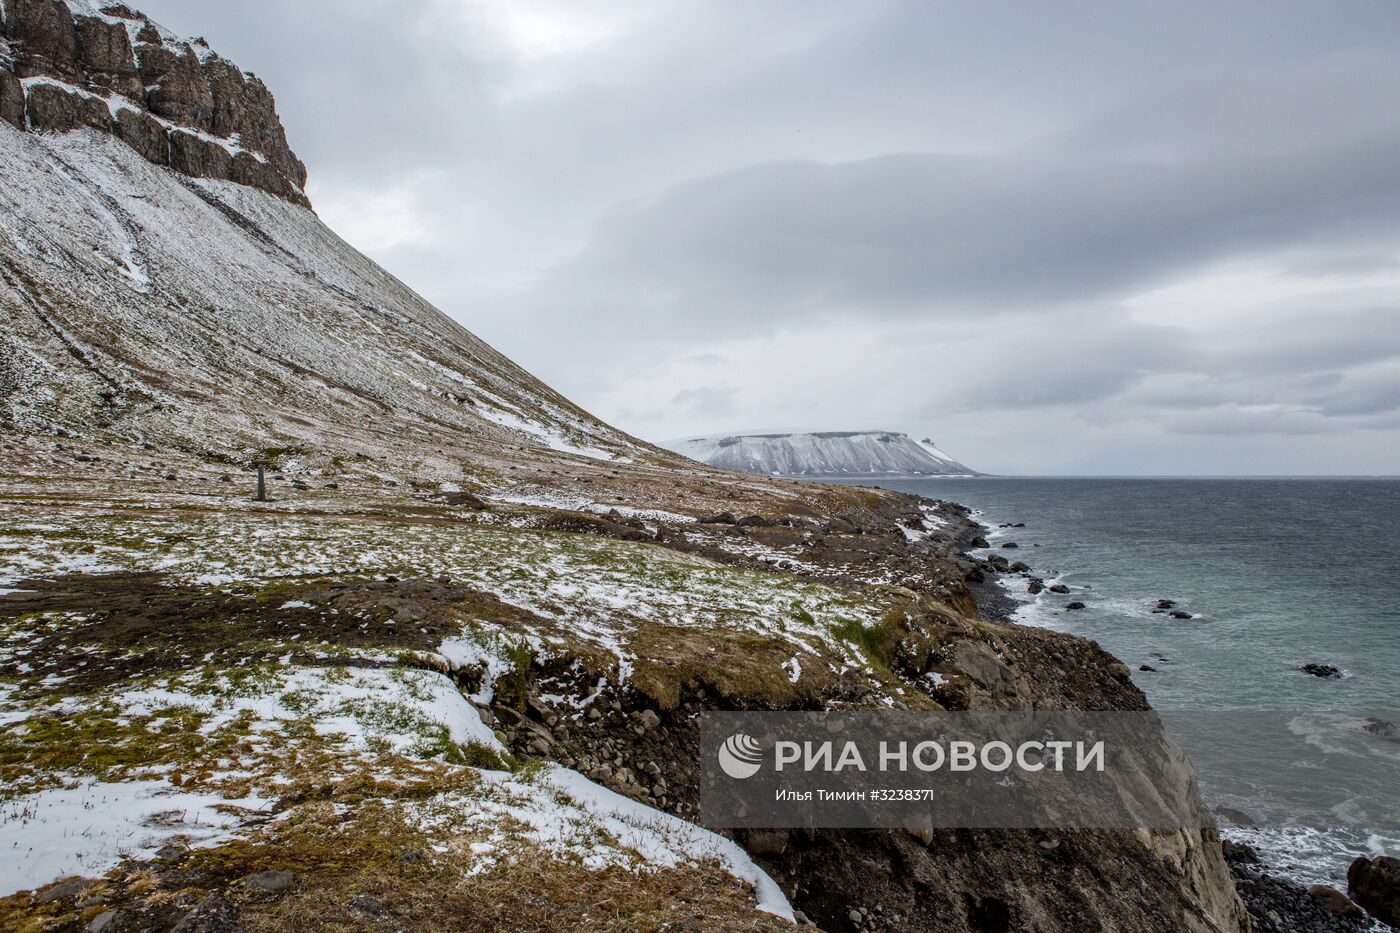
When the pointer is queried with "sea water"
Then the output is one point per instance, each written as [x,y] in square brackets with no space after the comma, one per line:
[1275,573]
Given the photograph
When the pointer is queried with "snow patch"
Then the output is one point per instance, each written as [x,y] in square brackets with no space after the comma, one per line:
[87,829]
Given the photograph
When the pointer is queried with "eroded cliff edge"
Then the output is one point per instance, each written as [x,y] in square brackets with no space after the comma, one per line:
[64,65]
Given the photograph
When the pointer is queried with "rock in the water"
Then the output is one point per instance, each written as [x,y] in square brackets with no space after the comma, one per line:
[1374,883]
[1166,603]
[1380,727]
[1035,587]
[1076,604]
[1010,544]
[1238,817]
[1321,670]
[1148,668]
[1058,588]
[1178,614]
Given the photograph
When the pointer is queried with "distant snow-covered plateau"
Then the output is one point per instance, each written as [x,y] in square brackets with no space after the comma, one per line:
[823,453]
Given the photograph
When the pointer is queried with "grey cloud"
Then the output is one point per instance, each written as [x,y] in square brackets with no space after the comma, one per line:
[927,234]
[705,206]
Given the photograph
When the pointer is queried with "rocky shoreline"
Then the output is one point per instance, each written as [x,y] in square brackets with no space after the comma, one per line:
[1276,904]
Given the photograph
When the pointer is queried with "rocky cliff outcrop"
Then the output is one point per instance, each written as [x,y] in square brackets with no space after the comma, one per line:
[66,65]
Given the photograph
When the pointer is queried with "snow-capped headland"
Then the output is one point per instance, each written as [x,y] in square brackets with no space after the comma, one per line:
[823,454]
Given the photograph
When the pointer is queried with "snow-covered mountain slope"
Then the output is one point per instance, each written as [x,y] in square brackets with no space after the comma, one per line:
[826,453]
[142,305]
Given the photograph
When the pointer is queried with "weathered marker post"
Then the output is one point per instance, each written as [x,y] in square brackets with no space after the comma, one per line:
[262,486]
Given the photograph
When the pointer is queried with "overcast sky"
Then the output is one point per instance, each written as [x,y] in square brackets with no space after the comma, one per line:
[1055,237]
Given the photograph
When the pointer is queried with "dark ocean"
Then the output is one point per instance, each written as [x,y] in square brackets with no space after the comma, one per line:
[1276,573]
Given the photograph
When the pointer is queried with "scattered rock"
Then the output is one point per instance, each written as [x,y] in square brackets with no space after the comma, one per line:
[723,518]
[212,915]
[980,541]
[1011,544]
[272,882]
[1178,614]
[367,906]
[766,842]
[1334,902]
[1058,588]
[1321,670]
[1165,604]
[168,852]
[649,718]
[460,498]
[1277,905]
[66,890]
[107,922]
[1374,883]
[1035,587]
[1240,852]
[1076,604]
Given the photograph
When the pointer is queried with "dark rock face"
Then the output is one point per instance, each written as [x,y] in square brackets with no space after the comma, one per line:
[1374,883]
[178,91]
[11,99]
[145,134]
[45,31]
[54,109]
[104,52]
[199,157]
[169,96]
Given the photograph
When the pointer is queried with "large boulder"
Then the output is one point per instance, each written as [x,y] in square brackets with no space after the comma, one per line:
[1374,883]
[59,110]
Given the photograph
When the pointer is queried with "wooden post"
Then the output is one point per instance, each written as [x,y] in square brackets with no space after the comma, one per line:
[262,486]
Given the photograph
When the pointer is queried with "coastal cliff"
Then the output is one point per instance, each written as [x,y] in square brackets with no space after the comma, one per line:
[449,674]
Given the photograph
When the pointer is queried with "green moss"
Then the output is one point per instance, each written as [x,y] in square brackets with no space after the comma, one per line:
[101,743]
